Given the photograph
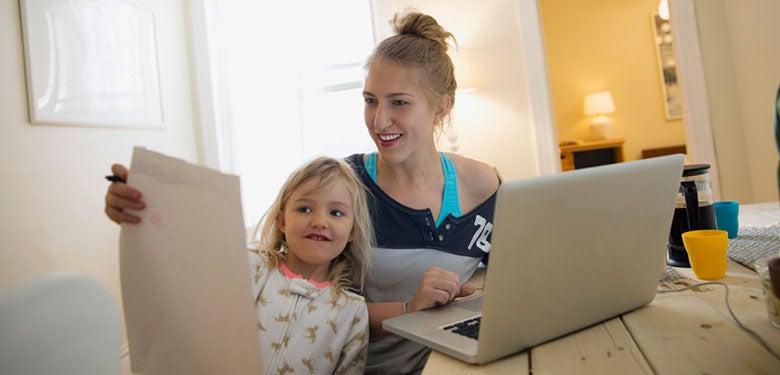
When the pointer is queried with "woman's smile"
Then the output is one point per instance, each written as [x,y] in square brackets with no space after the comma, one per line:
[387,140]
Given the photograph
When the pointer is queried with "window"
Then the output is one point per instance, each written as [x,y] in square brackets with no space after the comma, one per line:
[289,77]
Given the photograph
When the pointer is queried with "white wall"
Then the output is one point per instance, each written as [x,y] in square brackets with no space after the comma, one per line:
[51,206]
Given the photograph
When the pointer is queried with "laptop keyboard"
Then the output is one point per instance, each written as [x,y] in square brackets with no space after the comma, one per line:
[468,327]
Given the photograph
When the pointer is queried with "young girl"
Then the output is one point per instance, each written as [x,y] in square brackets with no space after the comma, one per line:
[312,257]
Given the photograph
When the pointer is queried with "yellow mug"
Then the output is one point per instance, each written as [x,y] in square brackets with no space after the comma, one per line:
[706,250]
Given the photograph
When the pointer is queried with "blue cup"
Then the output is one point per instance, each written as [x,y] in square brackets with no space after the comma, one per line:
[726,214]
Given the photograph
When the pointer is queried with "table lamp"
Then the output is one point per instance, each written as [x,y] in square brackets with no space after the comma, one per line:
[599,104]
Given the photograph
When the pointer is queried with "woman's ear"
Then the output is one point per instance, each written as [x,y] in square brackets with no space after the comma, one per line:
[444,109]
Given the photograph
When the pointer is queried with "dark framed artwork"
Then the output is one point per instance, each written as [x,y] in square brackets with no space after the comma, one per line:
[667,67]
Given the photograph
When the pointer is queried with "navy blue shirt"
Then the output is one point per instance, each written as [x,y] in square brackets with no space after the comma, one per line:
[408,242]
[399,227]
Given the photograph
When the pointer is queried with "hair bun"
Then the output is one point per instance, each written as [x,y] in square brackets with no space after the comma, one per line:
[420,43]
[414,23]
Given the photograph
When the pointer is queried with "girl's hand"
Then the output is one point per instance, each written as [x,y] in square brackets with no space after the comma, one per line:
[120,196]
[438,286]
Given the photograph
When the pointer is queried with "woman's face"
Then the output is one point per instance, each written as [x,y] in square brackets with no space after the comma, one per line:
[399,116]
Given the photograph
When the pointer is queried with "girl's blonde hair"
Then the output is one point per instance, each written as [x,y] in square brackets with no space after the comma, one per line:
[348,270]
[421,43]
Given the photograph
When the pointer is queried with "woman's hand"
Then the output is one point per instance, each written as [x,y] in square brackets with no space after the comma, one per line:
[120,196]
[438,286]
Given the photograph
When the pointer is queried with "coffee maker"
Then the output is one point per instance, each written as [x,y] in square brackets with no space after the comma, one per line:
[694,210]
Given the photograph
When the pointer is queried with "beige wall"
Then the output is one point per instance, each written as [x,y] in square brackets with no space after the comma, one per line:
[51,206]
[740,49]
[607,45]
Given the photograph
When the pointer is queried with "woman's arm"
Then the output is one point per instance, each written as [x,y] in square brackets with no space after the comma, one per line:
[438,286]
[379,311]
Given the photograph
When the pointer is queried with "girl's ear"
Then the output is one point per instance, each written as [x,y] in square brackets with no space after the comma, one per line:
[280,221]
[351,235]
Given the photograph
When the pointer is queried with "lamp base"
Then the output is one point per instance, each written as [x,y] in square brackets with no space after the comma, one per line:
[601,128]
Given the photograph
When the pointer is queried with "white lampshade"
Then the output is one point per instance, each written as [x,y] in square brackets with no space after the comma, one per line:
[599,103]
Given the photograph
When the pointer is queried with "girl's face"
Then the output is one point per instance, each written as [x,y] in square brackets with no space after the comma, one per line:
[398,115]
[317,225]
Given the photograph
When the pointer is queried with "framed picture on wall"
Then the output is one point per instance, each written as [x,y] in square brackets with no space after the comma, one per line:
[91,63]
[667,67]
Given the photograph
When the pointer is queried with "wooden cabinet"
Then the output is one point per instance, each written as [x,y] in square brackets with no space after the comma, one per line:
[591,154]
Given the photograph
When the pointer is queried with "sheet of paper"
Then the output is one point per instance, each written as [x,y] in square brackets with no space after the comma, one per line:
[185,273]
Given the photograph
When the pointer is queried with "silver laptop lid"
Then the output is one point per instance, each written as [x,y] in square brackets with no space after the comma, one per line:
[574,249]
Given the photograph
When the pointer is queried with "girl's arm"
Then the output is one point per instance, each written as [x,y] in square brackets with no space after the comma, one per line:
[355,351]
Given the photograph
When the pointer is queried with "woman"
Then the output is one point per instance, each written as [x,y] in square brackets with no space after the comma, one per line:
[433,211]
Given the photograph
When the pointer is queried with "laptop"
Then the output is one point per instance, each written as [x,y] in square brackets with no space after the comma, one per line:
[569,250]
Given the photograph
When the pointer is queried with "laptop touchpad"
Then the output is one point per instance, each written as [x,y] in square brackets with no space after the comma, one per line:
[471,303]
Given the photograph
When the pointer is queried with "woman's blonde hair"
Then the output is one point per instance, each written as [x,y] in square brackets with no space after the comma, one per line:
[421,43]
[348,270]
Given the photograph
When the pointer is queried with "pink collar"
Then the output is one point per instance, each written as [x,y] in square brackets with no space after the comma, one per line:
[292,275]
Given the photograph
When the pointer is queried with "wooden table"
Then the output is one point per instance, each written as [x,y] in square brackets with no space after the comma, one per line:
[589,154]
[688,332]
